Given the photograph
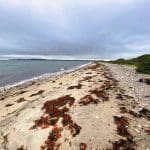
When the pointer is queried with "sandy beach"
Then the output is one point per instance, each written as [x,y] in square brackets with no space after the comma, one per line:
[95,107]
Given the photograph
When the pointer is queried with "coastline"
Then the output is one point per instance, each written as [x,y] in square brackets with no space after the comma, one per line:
[26,82]
[94,106]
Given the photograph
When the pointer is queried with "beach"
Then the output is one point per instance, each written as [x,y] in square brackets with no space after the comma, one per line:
[97,106]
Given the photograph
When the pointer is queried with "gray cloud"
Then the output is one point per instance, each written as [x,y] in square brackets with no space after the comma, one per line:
[96,29]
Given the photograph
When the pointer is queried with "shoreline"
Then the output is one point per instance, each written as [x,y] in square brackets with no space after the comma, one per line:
[27,82]
[94,107]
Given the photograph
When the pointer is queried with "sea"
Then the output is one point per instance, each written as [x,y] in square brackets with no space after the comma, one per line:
[14,71]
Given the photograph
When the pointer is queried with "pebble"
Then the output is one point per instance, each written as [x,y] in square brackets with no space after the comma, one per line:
[137,130]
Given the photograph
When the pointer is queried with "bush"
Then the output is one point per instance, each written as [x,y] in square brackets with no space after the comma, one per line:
[144,66]
[142,63]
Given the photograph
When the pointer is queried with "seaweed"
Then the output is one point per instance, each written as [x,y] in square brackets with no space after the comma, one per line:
[2,98]
[146,80]
[5,140]
[124,144]
[89,73]
[21,100]
[54,110]
[8,105]
[87,78]
[75,87]
[74,128]
[38,93]
[21,148]
[66,120]
[145,113]
[100,94]
[147,131]
[53,105]
[133,113]
[127,143]
[50,143]
[43,122]
[120,96]
[83,146]
[122,124]
[123,110]
[88,99]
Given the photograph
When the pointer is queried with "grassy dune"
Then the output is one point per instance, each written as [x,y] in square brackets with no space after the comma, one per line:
[142,63]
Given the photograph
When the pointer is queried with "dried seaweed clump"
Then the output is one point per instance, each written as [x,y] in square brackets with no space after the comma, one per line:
[146,80]
[124,144]
[8,105]
[127,143]
[38,93]
[54,109]
[56,103]
[89,73]
[144,112]
[87,78]
[122,125]
[22,148]
[21,100]
[51,142]
[83,146]
[43,122]
[75,87]
[88,99]
[123,110]
[100,94]
[72,126]
[111,81]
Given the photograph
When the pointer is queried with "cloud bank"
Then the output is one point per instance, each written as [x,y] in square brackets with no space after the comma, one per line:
[75,29]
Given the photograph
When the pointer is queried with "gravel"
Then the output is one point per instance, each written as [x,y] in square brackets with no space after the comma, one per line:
[129,81]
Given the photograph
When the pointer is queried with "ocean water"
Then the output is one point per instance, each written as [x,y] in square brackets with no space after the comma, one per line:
[13,71]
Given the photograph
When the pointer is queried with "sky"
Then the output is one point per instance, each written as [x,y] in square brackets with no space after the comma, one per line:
[74,29]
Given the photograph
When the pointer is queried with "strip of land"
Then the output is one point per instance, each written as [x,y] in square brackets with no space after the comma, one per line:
[97,107]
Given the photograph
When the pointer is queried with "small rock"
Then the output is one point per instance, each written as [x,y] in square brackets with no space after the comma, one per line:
[137,130]
[139,126]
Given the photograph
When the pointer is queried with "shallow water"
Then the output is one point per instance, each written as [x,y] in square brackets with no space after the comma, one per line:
[12,71]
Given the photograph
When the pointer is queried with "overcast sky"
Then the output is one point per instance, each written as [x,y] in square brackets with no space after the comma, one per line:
[75,28]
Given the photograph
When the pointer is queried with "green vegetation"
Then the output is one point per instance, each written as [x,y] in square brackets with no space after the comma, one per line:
[142,63]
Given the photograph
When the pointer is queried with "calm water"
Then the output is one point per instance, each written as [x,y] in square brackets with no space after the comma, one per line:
[12,71]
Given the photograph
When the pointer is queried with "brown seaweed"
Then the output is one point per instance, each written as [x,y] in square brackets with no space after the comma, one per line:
[100,94]
[21,100]
[8,105]
[88,99]
[122,124]
[83,146]
[56,109]
[38,93]
[123,144]
[75,87]
[51,142]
